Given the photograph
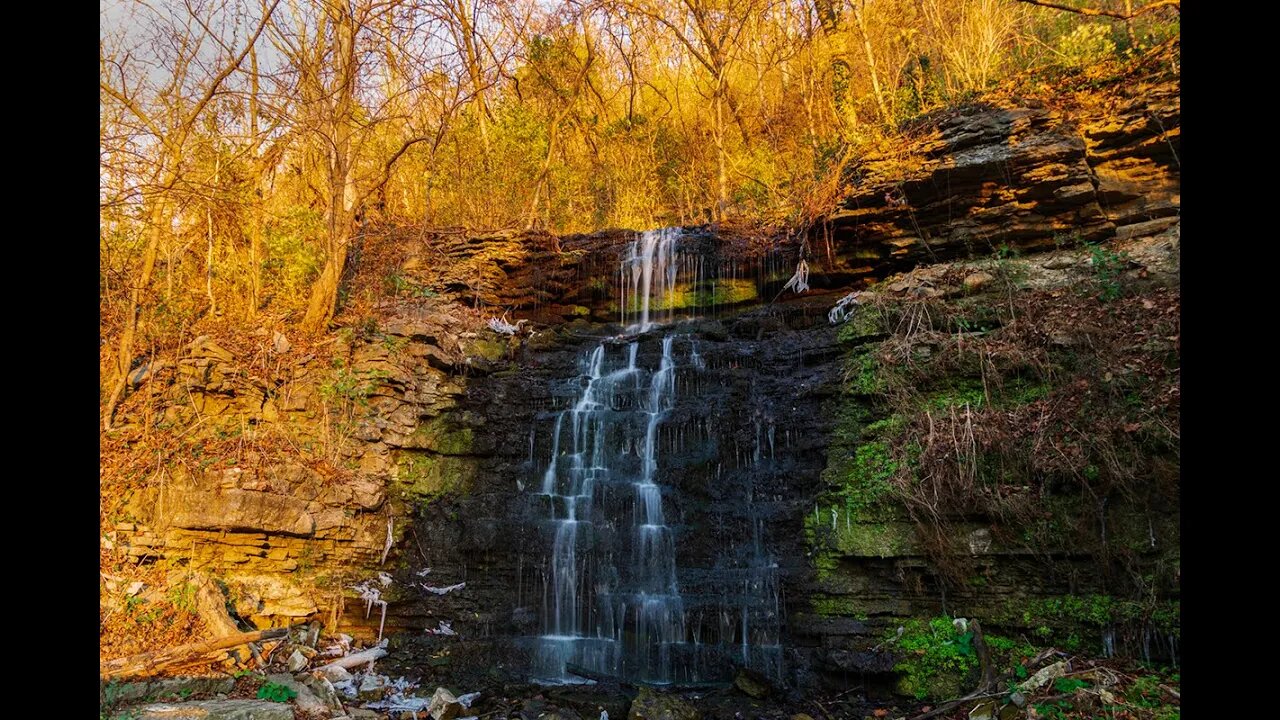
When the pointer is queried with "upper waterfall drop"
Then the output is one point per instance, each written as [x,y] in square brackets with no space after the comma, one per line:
[649,270]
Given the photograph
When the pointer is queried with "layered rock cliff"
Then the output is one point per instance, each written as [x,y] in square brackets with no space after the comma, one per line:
[402,444]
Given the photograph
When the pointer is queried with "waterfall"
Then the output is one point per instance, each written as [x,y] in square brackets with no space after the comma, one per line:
[652,256]
[612,602]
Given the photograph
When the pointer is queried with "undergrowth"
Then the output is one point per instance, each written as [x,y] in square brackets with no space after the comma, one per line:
[1048,415]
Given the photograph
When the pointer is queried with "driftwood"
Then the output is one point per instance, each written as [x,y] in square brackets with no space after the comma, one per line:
[354,660]
[984,657]
[149,664]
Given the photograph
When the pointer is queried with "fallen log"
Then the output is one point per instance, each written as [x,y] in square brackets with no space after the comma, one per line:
[354,660]
[614,681]
[149,664]
[599,678]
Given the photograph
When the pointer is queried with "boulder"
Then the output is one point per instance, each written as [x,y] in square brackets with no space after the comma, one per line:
[444,705]
[372,687]
[306,700]
[976,281]
[652,705]
[297,661]
[753,684]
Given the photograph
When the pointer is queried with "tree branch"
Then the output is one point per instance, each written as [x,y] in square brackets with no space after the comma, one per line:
[231,67]
[1094,12]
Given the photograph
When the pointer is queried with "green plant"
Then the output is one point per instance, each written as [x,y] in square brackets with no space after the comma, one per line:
[398,284]
[1064,239]
[1108,268]
[1067,685]
[111,693]
[353,386]
[275,692]
[931,650]
[132,604]
[1088,44]
[873,468]
[1056,710]
[863,375]
[183,597]
[394,344]
[1006,266]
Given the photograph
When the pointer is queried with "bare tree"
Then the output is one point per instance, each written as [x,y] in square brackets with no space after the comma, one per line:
[165,117]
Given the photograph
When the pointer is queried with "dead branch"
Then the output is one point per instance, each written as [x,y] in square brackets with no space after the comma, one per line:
[354,660]
[1095,12]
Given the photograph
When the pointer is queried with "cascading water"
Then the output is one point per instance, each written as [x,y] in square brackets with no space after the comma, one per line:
[611,603]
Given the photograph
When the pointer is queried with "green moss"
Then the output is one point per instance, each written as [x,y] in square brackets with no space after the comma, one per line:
[876,539]
[935,657]
[441,436]
[492,348]
[1072,622]
[1099,611]
[863,375]
[958,392]
[705,294]
[422,474]
[868,482]
[863,325]
[886,428]
[1023,393]
[824,562]
[832,605]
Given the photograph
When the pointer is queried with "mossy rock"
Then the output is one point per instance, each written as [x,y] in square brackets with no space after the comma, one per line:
[543,340]
[705,294]
[441,436]
[839,606]
[652,705]
[423,475]
[876,539]
[491,347]
[938,686]
[862,326]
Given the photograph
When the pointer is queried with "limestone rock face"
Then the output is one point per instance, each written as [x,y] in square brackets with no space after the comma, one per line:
[1026,178]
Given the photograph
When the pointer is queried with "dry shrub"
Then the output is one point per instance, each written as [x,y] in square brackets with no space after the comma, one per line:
[1068,405]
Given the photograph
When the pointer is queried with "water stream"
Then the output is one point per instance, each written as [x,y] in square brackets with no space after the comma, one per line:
[612,603]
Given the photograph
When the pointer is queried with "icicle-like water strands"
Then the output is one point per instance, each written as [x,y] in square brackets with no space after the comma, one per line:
[613,619]
[649,270]
[608,617]
[611,601]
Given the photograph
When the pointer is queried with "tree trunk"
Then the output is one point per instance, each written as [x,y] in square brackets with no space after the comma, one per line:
[150,664]
[209,252]
[124,354]
[871,62]
[722,184]
[341,195]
